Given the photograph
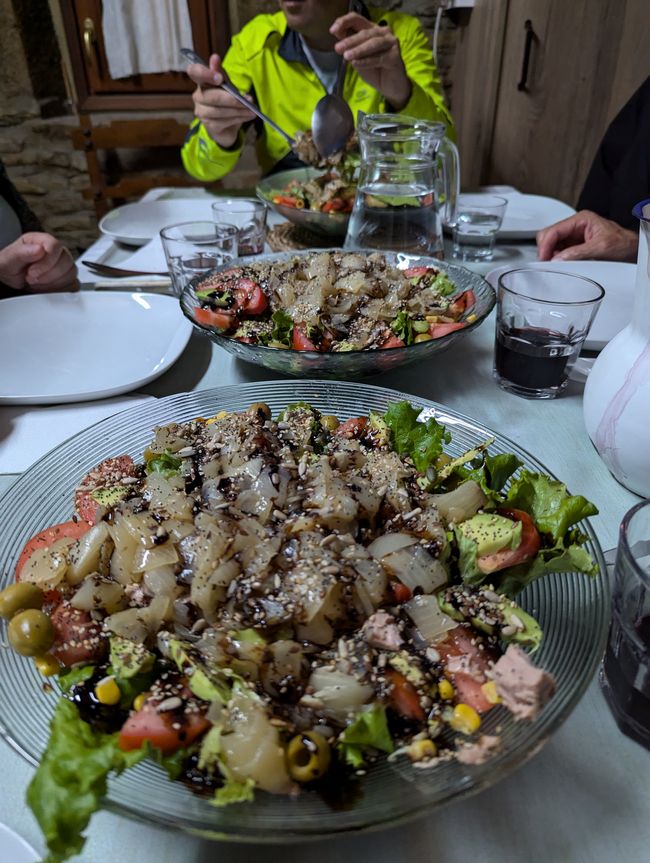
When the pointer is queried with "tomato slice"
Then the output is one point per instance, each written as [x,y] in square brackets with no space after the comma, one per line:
[401,593]
[221,320]
[436,331]
[78,639]
[526,550]
[462,644]
[416,272]
[47,537]
[300,340]
[158,729]
[392,342]
[403,696]
[463,302]
[352,428]
[249,297]
[106,476]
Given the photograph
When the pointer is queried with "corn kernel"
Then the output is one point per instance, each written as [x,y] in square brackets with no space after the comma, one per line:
[47,665]
[432,319]
[107,691]
[489,690]
[470,318]
[465,719]
[445,690]
[421,749]
[138,701]
[217,417]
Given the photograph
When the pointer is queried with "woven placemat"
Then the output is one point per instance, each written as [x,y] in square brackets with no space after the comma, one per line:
[288,237]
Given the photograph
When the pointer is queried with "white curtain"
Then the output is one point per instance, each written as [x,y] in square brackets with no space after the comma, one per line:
[145,35]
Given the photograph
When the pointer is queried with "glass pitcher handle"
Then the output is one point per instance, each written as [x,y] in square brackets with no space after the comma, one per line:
[450,170]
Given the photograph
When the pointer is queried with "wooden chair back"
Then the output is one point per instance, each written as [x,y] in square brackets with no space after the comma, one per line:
[112,184]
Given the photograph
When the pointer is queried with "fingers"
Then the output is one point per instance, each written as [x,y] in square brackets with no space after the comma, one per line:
[552,239]
[351,22]
[55,270]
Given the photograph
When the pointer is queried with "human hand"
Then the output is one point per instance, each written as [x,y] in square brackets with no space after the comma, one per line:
[37,262]
[221,114]
[374,51]
[586,235]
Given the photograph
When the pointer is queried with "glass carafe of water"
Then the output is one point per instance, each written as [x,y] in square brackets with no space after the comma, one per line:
[409,179]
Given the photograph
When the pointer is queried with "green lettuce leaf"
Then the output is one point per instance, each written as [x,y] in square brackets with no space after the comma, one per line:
[165,463]
[71,780]
[368,730]
[423,442]
[552,508]
[402,326]
[443,285]
[282,327]
[72,676]
[493,473]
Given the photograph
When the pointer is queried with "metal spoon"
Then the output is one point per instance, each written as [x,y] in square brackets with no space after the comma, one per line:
[193,57]
[332,122]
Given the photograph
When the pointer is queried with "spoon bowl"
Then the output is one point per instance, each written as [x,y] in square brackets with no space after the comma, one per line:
[332,124]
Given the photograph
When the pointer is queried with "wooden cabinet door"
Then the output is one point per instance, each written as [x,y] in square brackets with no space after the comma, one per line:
[96,89]
[561,82]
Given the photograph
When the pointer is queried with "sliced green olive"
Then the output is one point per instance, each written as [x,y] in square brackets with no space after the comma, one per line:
[260,406]
[30,632]
[17,597]
[329,422]
[308,756]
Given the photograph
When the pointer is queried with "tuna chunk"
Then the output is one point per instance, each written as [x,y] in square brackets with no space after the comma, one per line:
[380,630]
[524,688]
[480,751]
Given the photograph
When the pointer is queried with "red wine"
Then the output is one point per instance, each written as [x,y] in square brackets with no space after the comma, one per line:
[534,358]
[626,679]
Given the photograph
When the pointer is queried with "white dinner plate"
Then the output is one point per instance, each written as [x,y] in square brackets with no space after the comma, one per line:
[528,214]
[136,224]
[75,347]
[615,311]
[14,849]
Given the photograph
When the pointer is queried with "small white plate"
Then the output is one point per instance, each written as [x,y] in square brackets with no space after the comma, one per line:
[58,348]
[136,224]
[617,278]
[14,849]
[528,214]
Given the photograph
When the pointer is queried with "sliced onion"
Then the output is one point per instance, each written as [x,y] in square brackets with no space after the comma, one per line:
[46,567]
[161,581]
[431,622]
[342,694]
[153,558]
[415,567]
[83,557]
[389,542]
[461,503]
[99,592]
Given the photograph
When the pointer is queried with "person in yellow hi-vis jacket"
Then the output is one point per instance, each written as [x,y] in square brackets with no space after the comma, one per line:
[289,60]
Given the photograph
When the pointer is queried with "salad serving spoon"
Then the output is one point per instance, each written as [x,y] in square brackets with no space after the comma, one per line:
[193,57]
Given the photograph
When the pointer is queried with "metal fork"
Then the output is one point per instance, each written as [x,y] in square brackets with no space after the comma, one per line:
[118,272]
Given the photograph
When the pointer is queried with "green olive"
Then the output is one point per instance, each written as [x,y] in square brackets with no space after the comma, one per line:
[31,632]
[423,337]
[308,756]
[17,597]
[260,406]
[329,422]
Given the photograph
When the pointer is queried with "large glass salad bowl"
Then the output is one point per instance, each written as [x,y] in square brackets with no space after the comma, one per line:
[572,610]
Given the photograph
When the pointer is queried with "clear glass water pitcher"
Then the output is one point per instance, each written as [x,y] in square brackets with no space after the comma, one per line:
[409,179]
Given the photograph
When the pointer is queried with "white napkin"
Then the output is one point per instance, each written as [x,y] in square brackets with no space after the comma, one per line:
[145,36]
[29,432]
[149,258]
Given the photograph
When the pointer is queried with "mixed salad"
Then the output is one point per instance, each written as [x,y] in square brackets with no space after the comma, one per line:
[333,302]
[261,601]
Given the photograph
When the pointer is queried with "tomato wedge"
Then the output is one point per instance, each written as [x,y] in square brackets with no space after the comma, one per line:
[416,272]
[249,297]
[392,342]
[107,475]
[403,696]
[468,665]
[400,592]
[78,639]
[46,538]
[352,428]
[463,302]
[158,729]
[219,320]
[436,331]
[526,550]
[300,341]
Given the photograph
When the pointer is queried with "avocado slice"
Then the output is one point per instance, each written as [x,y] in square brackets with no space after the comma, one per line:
[491,532]
[128,658]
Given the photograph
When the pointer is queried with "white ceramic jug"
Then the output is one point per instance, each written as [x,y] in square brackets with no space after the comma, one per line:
[617,392]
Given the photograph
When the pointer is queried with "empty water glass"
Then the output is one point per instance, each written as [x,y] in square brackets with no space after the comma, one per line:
[478,219]
[249,217]
[194,249]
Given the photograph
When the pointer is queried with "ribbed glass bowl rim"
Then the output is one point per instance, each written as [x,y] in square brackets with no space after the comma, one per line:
[392,794]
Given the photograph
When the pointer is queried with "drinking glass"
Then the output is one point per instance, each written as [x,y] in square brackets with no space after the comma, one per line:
[194,248]
[249,217]
[543,318]
[625,673]
[478,219]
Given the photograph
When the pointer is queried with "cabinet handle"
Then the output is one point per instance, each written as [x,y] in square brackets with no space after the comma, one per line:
[89,40]
[528,44]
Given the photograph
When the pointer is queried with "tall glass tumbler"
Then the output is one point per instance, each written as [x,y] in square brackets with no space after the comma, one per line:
[543,318]
[193,249]
[625,673]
